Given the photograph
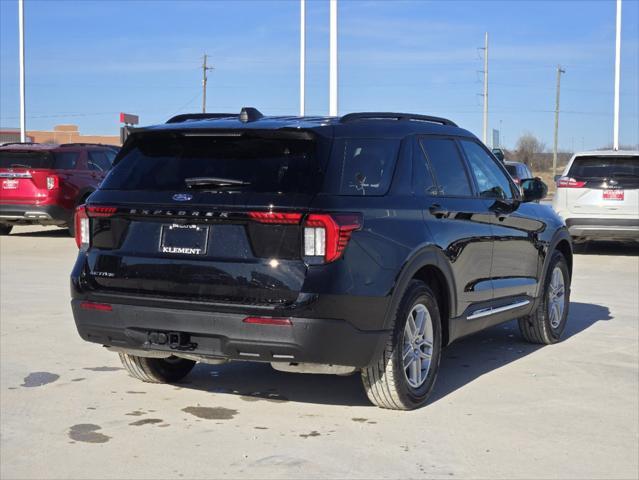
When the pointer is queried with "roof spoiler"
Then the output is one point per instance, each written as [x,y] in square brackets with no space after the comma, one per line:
[247,114]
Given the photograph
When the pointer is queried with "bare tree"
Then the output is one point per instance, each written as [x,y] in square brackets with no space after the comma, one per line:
[528,147]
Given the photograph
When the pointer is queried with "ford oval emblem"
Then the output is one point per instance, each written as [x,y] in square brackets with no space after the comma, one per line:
[182,197]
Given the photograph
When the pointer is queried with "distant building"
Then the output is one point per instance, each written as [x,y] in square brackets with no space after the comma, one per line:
[60,134]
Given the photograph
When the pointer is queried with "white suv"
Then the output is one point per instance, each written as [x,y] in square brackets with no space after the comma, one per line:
[598,195]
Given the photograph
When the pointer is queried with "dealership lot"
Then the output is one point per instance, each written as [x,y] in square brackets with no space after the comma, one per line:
[501,408]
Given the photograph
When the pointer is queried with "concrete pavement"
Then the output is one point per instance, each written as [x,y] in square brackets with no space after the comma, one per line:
[501,408]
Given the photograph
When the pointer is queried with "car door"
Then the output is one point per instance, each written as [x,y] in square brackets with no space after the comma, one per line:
[99,164]
[516,227]
[68,168]
[458,220]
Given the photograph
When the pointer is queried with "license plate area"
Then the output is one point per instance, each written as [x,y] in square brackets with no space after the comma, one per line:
[10,184]
[179,239]
[617,194]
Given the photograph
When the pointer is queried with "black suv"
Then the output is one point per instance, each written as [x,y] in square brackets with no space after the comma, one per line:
[364,243]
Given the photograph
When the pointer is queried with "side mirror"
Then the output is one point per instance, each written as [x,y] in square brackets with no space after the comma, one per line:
[556,178]
[533,189]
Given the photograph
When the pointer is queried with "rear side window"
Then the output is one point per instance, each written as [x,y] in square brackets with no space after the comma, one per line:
[164,162]
[98,161]
[448,167]
[604,167]
[362,166]
[17,159]
[66,160]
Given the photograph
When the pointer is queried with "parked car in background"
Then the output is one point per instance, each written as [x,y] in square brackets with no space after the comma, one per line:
[518,171]
[598,195]
[42,184]
[364,243]
[499,154]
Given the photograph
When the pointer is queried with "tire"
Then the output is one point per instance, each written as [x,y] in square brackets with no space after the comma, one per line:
[386,380]
[546,324]
[5,229]
[71,226]
[156,370]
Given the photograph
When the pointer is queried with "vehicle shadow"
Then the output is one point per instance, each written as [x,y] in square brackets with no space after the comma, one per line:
[462,362]
[607,248]
[474,356]
[57,233]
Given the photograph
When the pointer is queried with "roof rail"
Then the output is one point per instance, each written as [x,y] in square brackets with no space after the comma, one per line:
[91,144]
[20,143]
[183,117]
[351,117]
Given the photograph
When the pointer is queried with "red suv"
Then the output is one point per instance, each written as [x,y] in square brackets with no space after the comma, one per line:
[42,184]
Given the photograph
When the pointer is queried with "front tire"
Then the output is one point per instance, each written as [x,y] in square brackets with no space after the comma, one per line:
[403,376]
[5,229]
[546,324]
[157,370]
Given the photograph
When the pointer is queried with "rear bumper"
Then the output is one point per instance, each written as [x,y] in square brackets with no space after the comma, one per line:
[604,228]
[34,214]
[225,335]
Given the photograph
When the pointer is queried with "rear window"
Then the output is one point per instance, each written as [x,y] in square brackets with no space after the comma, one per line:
[164,162]
[512,170]
[604,167]
[66,160]
[18,159]
[362,166]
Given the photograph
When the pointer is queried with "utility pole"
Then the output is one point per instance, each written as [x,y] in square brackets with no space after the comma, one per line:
[615,141]
[485,129]
[332,89]
[554,150]
[205,69]
[302,56]
[23,121]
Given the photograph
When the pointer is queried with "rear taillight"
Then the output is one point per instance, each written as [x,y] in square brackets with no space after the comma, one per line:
[567,182]
[52,182]
[82,233]
[98,211]
[326,235]
[517,181]
[274,217]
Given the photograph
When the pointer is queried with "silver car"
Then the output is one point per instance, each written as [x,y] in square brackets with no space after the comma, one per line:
[598,195]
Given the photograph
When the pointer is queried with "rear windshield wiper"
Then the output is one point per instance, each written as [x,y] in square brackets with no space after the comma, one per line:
[195,182]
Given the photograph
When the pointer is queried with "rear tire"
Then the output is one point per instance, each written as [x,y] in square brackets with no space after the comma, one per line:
[5,229]
[71,225]
[546,324]
[156,370]
[392,381]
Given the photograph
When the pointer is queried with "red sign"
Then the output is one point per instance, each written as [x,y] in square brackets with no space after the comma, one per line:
[613,194]
[129,119]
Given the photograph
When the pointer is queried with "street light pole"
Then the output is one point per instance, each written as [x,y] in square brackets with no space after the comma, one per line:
[23,122]
[332,92]
[615,142]
[302,57]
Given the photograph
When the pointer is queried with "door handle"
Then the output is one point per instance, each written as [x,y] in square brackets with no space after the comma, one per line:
[438,211]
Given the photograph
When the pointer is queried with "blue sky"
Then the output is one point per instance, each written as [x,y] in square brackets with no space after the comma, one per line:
[88,60]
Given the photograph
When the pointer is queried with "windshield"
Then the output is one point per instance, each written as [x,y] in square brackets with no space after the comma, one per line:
[25,159]
[243,162]
[604,167]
